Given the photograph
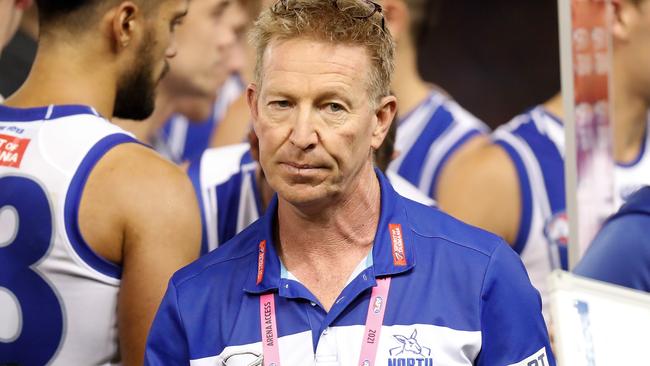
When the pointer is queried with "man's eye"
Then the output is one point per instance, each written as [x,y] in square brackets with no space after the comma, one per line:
[175,24]
[280,104]
[334,107]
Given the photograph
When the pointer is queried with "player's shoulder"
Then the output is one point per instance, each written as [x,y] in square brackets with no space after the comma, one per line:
[218,165]
[533,123]
[459,114]
[638,202]
[432,224]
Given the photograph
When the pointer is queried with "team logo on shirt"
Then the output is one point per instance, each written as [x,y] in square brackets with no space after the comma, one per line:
[557,229]
[409,352]
[399,256]
[12,150]
[243,358]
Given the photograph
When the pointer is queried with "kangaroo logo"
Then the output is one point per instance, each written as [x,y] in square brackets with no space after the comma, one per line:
[409,345]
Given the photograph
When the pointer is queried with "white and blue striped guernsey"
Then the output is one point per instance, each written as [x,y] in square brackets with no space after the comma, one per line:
[181,140]
[225,183]
[458,296]
[535,143]
[58,299]
[427,138]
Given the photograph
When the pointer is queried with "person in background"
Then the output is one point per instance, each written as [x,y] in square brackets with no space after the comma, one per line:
[19,52]
[206,41]
[236,122]
[340,268]
[620,253]
[92,223]
[514,187]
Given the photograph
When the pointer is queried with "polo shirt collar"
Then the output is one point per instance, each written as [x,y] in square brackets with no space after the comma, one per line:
[392,251]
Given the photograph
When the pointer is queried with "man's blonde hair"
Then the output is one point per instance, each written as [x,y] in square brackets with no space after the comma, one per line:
[321,20]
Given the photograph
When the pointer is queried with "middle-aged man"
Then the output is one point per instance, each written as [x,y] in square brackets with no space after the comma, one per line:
[92,224]
[341,270]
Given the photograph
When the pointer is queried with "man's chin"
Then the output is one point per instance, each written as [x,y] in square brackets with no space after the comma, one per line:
[306,197]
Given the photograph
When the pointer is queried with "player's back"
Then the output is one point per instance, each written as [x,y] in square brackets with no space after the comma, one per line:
[58,298]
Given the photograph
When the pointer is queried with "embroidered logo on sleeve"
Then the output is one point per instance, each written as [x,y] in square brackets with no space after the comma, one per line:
[537,359]
[12,150]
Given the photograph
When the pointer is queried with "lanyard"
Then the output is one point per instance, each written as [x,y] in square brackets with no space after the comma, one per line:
[374,321]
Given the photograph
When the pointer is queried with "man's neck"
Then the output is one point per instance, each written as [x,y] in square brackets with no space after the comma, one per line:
[66,76]
[408,86]
[323,249]
[630,117]
[629,120]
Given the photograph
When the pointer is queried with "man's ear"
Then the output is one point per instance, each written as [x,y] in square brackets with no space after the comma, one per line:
[255,145]
[625,15]
[397,17]
[251,98]
[124,22]
[384,117]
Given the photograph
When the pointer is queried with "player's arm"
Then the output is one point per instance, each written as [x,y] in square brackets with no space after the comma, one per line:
[513,331]
[148,211]
[620,253]
[482,188]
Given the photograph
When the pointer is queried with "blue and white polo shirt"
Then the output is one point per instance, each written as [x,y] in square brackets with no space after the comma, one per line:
[458,296]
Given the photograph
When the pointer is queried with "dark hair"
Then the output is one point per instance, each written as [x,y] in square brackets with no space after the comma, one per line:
[74,14]
[52,10]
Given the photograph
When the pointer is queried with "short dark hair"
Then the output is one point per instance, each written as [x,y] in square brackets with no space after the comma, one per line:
[73,14]
[50,12]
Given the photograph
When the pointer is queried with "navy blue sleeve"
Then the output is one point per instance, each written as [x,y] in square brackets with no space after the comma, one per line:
[512,327]
[620,253]
[167,343]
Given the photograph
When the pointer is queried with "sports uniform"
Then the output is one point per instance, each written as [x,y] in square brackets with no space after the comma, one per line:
[428,136]
[181,140]
[449,291]
[226,187]
[620,253]
[57,297]
[535,143]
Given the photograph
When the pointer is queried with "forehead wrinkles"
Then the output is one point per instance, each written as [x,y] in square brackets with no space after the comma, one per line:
[343,63]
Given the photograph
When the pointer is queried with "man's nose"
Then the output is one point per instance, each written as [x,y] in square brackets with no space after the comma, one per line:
[303,135]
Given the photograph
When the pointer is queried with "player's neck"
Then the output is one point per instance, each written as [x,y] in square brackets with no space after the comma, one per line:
[56,79]
[408,86]
[630,119]
[341,231]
